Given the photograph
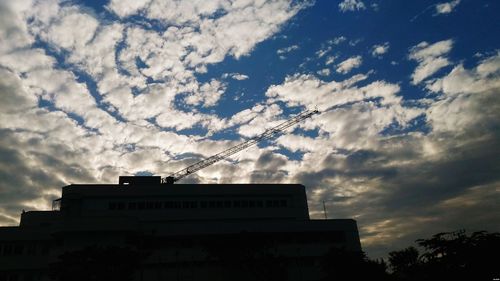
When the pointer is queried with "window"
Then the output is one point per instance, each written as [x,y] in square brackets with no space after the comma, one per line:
[7,249]
[203,204]
[283,203]
[132,205]
[227,204]
[18,249]
[31,249]
[112,206]
[141,205]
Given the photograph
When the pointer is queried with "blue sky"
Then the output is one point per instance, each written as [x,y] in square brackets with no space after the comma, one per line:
[407,139]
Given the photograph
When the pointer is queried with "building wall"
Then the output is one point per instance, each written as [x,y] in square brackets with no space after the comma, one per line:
[185,232]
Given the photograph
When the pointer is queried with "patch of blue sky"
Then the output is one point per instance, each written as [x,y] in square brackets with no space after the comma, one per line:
[81,76]
[143,173]
[292,155]
[417,124]
[311,29]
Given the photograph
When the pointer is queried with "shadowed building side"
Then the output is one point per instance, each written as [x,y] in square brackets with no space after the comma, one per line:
[181,232]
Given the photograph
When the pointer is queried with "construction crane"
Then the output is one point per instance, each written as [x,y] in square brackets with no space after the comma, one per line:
[269,133]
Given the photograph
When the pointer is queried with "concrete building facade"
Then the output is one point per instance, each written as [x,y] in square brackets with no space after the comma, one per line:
[181,231]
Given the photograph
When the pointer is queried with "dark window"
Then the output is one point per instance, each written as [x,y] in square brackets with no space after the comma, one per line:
[141,205]
[193,204]
[227,204]
[132,205]
[237,203]
[203,204]
[177,204]
[259,203]
[168,204]
[185,204]
[120,206]
[7,249]
[112,205]
[283,203]
[18,249]
[269,203]
[251,204]
[150,205]
[244,203]
[45,250]
[31,249]
[157,205]
[220,204]
[211,204]
[276,203]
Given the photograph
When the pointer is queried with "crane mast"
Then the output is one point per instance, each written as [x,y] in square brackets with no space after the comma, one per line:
[269,133]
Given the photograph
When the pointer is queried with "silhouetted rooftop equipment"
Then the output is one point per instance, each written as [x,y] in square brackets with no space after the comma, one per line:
[269,133]
[140,180]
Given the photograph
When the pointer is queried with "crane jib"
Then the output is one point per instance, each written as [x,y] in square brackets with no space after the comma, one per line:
[269,133]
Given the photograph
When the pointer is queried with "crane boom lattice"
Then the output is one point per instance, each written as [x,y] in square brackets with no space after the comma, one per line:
[269,133]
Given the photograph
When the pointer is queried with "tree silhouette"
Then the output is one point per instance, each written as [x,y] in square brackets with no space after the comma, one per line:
[449,256]
[404,263]
[340,264]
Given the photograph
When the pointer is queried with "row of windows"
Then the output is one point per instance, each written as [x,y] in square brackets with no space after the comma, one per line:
[12,249]
[213,204]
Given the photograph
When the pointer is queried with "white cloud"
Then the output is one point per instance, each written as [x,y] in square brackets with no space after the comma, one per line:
[330,60]
[337,40]
[105,131]
[208,94]
[125,8]
[73,30]
[235,76]
[287,49]
[309,91]
[447,7]
[430,58]
[352,5]
[379,50]
[349,64]
[469,99]
[263,117]
[484,77]
[324,72]
[329,45]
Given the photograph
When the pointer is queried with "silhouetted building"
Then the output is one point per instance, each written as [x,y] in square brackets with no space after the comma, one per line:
[181,231]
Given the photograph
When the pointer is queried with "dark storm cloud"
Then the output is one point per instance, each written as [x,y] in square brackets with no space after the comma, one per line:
[412,195]
[27,175]
[270,167]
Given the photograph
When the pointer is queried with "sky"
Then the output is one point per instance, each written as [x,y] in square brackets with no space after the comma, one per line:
[407,141]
